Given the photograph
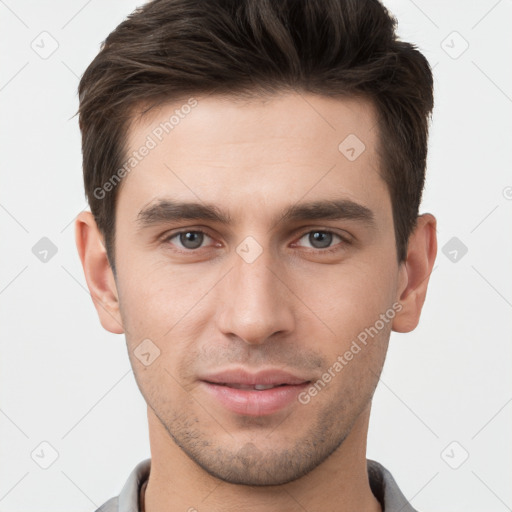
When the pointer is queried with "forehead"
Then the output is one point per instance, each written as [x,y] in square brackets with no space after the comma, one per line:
[284,117]
[273,150]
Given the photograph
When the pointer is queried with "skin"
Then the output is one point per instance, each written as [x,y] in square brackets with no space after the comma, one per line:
[295,307]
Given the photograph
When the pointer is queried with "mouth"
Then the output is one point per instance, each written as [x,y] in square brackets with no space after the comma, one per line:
[249,387]
[254,394]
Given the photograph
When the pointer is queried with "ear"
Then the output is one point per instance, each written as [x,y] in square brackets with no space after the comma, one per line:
[415,273]
[98,273]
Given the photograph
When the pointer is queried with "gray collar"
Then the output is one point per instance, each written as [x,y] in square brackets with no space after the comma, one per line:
[382,484]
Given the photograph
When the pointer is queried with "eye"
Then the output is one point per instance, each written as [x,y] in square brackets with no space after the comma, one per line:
[320,239]
[188,240]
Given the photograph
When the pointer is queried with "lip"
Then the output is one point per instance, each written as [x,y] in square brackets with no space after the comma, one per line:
[250,402]
[266,377]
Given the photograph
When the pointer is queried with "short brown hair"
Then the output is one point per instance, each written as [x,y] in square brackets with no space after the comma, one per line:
[168,49]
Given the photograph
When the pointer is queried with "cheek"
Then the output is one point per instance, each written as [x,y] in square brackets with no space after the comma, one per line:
[162,313]
[347,298]
[164,304]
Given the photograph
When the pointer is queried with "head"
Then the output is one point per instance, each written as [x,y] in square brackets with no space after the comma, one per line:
[254,171]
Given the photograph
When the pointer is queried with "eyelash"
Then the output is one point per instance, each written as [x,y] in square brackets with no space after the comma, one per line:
[328,250]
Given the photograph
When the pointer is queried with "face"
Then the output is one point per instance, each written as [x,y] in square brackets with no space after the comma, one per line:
[257,259]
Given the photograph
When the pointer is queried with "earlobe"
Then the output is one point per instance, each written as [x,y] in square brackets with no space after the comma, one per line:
[415,273]
[98,273]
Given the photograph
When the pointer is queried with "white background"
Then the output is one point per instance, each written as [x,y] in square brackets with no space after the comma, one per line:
[66,381]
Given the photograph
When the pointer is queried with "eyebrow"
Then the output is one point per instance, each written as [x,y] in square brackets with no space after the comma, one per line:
[167,210]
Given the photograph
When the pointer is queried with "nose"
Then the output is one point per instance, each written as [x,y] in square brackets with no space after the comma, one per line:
[256,301]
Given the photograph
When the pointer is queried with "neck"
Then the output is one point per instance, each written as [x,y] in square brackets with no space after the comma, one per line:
[340,483]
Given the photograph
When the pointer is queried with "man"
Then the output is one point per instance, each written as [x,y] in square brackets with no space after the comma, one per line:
[254,170]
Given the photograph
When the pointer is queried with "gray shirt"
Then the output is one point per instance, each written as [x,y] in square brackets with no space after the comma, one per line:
[382,484]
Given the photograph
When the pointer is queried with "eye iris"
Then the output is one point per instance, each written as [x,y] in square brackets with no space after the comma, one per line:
[191,239]
[320,237]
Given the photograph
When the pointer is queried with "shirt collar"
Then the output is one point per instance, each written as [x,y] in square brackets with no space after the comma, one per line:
[382,484]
